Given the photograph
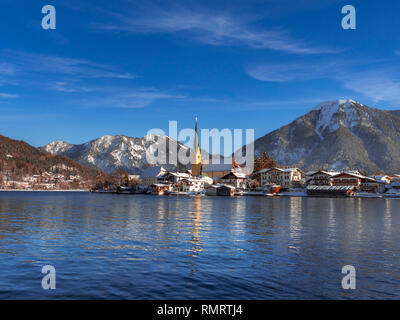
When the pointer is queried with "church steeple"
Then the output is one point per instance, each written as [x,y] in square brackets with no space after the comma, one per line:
[196,155]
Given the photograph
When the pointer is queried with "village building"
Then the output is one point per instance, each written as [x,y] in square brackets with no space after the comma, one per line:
[286,178]
[330,191]
[235,179]
[394,182]
[159,188]
[385,179]
[226,190]
[372,185]
[173,177]
[191,185]
[207,181]
[320,178]
[347,179]
[220,190]
[211,190]
[133,177]
[151,174]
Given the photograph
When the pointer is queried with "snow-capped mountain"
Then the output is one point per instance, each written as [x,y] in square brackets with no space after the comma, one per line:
[340,134]
[110,153]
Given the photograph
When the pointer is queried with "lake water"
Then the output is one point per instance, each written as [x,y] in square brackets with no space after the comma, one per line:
[106,246]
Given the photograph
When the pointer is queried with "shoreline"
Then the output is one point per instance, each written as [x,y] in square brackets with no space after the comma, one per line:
[32,190]
[284,194]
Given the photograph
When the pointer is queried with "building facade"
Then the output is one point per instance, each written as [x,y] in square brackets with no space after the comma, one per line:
[320,178]
[151,175]
[235,179]
[286,178]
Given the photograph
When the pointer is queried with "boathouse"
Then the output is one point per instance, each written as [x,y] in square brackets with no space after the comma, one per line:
[330,191]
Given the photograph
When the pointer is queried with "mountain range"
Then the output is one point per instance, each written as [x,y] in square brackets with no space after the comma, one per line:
[111,153]
[19,159]
[340,134]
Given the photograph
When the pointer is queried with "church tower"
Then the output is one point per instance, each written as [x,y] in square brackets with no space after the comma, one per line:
[196,155]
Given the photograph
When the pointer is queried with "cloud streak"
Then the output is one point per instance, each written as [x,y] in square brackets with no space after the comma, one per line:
[132,98]
[8,95]
[374,81]
[23,62]
[212,29]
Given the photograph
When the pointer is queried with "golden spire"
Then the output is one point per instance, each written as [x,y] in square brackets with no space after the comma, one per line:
[196,155]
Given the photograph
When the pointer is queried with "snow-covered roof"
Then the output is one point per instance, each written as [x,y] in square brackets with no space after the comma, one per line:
[193,180]
[371,179]
[214,186]
[160,185]
[238,175]
[179,174]
[383,179]
[152,172]
[350,174]
[280,169]
[330,173]
[227,186]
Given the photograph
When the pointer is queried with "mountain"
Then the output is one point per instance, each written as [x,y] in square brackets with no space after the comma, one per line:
[341,134]
[18,159]
[111,153]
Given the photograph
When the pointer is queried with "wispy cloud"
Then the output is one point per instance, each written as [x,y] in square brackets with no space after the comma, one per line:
[373,80]
[89,81]
[129,98]
[70,86]
[210,28]
[24,62]
[291,71]
[378,85]
[8,95]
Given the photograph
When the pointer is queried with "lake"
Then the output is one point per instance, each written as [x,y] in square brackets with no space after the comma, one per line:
[109,246]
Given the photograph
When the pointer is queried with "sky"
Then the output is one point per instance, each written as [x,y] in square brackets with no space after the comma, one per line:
[126,67]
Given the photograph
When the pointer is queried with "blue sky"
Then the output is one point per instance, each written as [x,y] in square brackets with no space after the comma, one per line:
[125,67]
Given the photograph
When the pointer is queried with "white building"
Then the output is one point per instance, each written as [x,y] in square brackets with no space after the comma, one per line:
[286,178]
[320,178]
[151,174]
[235,179]
[191,185]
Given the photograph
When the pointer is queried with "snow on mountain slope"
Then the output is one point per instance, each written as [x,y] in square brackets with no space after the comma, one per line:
[110,153]
[337,133]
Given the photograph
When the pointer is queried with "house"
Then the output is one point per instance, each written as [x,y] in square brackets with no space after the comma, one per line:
[159,188]
[369,184]
[173,177]
[211,190]
[347,179]
[320,178]
[191,185]
[226,190]
[133,177]
[394,181]
[235,179]
[151,174]
[287,178]
[330,191]
[385,179]
[207,181]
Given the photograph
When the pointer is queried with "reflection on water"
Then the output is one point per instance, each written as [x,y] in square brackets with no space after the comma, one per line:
[150,247]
